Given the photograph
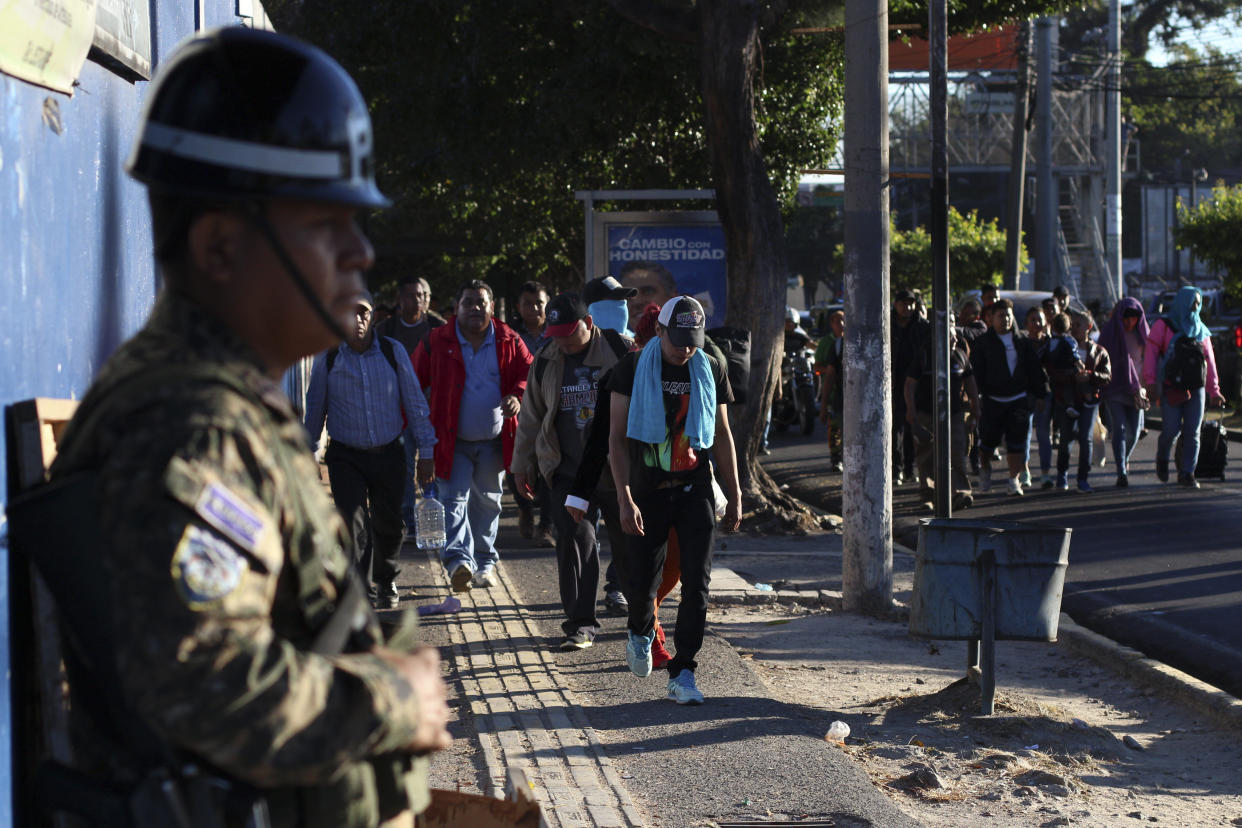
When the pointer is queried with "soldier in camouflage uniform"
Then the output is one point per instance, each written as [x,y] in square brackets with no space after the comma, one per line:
[224,553]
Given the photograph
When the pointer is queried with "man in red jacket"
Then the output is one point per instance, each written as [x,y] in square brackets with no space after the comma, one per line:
[473,371]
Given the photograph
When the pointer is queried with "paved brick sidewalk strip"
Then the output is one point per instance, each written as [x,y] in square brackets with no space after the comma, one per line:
[525,716]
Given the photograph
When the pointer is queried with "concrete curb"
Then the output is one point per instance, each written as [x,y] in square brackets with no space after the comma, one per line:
[1190,691]
[1234,435]
[733,591]
[1220,706]
[1194,693]
[1134,665]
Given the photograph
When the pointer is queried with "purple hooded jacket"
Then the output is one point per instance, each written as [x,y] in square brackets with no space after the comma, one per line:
[1127,375]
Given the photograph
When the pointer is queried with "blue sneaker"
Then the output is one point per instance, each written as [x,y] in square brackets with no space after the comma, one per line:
[1062,482]
[682,689]
[1084,486]
[638,654]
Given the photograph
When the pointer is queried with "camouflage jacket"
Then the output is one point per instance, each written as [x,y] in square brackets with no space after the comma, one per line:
[226,557]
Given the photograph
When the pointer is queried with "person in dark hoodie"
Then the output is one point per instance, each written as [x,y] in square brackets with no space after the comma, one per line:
[1124,336]
[1077,387]
[908,331]
[1012,384]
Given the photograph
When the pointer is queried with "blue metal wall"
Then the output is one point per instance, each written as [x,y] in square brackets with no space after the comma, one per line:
[76,271]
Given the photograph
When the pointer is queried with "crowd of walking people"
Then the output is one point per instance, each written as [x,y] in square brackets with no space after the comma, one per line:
[1059,375]
[234,660]
[591,420]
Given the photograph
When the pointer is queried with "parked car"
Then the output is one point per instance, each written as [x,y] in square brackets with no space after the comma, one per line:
[1222,314]
[1023,301]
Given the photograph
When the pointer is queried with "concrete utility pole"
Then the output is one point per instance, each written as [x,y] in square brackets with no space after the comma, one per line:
[867,572]
[1045,191]
[1017,160]
[1112,108]
[938,75]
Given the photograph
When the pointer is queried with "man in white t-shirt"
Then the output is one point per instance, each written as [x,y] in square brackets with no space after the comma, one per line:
[1012,385]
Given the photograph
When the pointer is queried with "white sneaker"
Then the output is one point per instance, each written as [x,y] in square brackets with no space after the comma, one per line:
[1025,478]
[683,689]
[485,578]
[985,478]
[638,654]
[1015,488]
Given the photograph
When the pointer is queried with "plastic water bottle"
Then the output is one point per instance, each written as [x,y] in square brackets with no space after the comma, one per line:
[837,731]
[429,521]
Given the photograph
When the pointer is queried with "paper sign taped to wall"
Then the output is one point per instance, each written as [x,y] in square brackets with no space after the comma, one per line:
[45,42]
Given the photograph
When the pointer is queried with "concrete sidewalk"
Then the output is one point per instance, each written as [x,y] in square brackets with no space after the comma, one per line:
[577,724]
[594,755]
[584,731]
[525,717]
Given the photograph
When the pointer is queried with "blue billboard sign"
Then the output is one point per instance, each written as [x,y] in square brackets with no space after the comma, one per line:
[693,252]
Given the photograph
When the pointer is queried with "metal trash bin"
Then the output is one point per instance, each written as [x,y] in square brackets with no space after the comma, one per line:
[988,580]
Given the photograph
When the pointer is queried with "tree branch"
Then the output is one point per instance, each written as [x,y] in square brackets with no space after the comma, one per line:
[674,23]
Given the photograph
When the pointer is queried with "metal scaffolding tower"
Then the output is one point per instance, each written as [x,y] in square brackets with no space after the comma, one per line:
[980,140]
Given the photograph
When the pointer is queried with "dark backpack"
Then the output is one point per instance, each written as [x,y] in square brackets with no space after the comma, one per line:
[614,339]
[385,348]
[1186,369]
[389,354]
[734,343]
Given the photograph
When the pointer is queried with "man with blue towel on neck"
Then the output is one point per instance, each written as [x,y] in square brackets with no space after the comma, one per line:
[669,426]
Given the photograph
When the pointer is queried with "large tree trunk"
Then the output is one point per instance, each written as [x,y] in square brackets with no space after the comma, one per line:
[729,60]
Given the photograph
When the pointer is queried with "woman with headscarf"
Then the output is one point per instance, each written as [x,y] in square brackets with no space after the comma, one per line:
[1181,404]
[1124,336]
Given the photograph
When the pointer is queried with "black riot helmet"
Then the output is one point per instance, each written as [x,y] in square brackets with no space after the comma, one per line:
[239,113]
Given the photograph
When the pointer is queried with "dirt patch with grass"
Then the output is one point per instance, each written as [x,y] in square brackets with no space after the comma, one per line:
[1069,743]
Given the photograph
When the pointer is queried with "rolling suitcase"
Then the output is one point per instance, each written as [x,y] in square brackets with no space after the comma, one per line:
[1213,449]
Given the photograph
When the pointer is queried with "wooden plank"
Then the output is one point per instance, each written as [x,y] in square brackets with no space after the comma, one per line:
[39,424]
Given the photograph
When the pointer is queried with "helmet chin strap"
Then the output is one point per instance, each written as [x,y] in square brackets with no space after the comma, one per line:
[258,216]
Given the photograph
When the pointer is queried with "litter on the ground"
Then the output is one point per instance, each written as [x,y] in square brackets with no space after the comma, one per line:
[448,605]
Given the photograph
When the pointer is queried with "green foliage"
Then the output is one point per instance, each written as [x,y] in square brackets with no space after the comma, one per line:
[1212,229]
[965,16]
[910,259]
[490,114]
[977,252]
[810,232]
[976,255]
[1189,114]
[1144,23]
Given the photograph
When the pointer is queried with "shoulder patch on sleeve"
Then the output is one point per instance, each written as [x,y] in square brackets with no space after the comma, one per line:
[225,510]
[205,567]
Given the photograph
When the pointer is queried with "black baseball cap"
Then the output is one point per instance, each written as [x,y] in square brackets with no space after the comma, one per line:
[906,295]
[563,313]
[684,319]
[606,287]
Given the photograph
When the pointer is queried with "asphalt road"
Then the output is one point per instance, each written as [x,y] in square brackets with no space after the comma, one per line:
[1155,566]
